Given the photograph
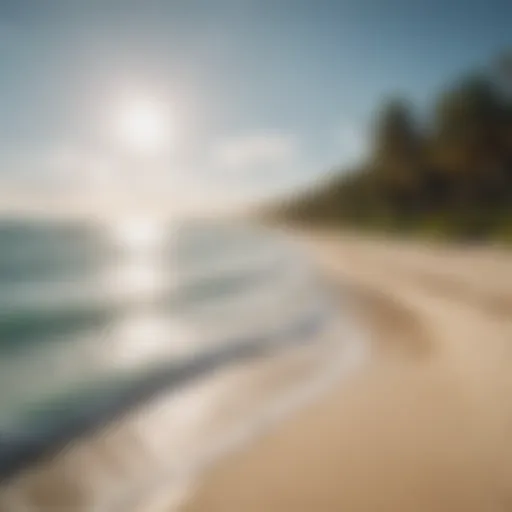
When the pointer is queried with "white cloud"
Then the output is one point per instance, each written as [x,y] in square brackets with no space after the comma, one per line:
[70,177]
[255,151]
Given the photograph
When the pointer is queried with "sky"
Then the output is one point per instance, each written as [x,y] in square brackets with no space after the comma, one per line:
[259,97]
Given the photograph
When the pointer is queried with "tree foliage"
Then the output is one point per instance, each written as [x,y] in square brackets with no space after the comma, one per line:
[450,173]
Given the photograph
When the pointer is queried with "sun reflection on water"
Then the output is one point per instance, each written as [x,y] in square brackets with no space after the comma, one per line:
[144,332]
[139,272]
[136,281]
[139,234]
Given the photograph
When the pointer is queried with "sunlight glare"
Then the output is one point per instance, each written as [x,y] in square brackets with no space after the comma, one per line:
[139,234]
[142,125]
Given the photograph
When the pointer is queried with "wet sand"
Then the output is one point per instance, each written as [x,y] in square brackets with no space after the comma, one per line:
[426,425]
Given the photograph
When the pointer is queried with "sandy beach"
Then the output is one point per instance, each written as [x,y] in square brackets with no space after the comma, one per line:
[421,423]
[426,425]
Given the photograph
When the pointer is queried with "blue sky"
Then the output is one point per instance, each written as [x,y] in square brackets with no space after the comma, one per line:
[265,94]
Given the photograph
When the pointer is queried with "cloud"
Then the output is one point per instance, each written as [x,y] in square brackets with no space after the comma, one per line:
[258,151]
[237,169]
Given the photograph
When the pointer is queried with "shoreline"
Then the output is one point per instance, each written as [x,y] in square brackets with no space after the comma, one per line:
[425,428]
[34,448]
[213,417]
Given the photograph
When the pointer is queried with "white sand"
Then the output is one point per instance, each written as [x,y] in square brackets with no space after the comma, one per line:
[428,426]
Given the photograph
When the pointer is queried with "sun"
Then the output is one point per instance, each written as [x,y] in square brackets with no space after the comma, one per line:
[142,125]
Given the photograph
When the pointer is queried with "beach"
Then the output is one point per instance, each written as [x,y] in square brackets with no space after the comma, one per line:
[426,424]
[223,332]
[399,399]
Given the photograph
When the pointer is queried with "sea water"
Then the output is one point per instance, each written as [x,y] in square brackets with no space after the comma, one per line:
[97,319]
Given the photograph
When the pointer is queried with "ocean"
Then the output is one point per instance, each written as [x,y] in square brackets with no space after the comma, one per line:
[99,319]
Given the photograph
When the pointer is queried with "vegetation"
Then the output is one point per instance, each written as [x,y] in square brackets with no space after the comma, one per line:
[447,175]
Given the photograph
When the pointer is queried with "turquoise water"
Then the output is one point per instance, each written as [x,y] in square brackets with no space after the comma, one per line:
[92,315]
